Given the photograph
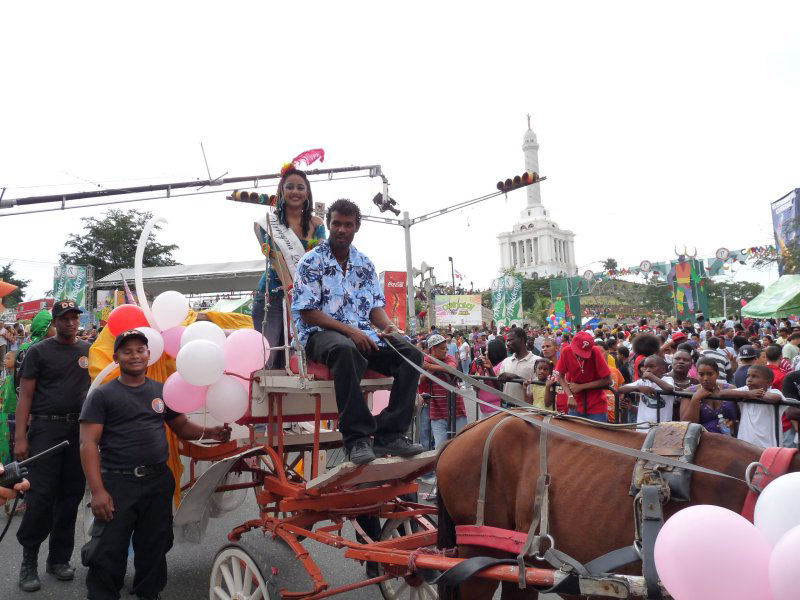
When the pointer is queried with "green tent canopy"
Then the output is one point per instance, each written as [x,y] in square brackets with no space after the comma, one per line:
[234,305]
[781,299]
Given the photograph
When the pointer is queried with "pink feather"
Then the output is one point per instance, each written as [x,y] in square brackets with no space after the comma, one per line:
[309,156]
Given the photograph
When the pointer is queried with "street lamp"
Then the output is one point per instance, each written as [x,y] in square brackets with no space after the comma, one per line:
[452,273]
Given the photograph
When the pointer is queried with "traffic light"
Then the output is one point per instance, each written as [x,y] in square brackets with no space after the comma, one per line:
[253,198]
[518,181]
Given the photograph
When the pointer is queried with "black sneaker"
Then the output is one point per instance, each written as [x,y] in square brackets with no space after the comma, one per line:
[361,452]
[401,446]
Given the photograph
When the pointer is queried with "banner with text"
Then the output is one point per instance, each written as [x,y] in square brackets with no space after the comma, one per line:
[458,310]
[507,301]
[396,293]
[69,283]
[785,225]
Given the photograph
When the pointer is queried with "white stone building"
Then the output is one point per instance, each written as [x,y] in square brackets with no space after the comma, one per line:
[537,246]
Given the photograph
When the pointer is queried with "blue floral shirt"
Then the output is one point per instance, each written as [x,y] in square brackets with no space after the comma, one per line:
[347,297]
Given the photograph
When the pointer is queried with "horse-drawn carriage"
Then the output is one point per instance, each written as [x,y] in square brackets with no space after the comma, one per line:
[502,506]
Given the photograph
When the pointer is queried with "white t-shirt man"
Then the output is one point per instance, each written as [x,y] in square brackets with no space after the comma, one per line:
[525,368]
[648,410]
[757,423]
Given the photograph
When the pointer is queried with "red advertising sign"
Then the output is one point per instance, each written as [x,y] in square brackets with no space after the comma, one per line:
[28,310]
[394,288]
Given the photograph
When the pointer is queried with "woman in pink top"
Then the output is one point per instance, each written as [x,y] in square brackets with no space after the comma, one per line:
[495,353]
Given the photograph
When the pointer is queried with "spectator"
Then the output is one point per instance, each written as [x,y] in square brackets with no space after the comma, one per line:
[715,354]
[790,348]
[541,396]
[747,357]
[452,347]
[485,366]
[464,354]
[438,402]
[700,408]
[583,372]
[653,407]
[757,422]
[791,389]
[521,364]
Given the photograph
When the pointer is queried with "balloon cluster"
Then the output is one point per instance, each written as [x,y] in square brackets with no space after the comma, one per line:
[712,553]
[558,324]
[212,370]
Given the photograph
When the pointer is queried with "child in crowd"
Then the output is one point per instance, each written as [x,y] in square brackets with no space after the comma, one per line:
[652,408]
[757,422]
[541,396]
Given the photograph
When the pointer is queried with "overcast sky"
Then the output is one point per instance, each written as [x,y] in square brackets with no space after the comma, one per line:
[660,124]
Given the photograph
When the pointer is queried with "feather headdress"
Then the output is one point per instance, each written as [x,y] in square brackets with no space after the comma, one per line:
[305,158]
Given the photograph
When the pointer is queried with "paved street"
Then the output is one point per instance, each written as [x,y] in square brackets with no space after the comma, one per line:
[189,564]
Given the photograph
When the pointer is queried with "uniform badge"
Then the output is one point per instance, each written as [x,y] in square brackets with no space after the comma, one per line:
[158,405]
[83,362]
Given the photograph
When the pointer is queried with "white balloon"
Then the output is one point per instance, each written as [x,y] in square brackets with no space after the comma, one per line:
[170,309]
[203,330]
[776,509]
[155,343]
[200,362]
[226,400]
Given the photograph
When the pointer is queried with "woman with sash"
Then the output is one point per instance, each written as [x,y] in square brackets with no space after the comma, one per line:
[295,229]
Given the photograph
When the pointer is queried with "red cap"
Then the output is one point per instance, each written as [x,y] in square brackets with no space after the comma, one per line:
[582,344]
[678,336]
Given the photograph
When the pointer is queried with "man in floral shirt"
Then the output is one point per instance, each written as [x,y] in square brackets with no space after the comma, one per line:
[336,301]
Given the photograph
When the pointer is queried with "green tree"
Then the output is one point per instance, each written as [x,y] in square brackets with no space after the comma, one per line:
[610,265]
[7,274]
[109,243]
[729,295]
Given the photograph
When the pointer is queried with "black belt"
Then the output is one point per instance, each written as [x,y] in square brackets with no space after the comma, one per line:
[140,471]
[67,418]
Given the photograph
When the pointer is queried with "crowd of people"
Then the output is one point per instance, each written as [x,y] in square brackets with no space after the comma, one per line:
[730,376]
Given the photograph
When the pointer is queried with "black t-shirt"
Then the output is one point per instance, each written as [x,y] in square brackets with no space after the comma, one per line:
[61,372]
[133,423]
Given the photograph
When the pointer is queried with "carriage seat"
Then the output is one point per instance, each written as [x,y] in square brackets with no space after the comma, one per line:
[322,373]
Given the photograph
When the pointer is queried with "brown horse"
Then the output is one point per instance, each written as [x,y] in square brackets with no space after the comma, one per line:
[591,512]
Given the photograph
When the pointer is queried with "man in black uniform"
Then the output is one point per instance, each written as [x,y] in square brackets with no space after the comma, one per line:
[53,385]
[124,454]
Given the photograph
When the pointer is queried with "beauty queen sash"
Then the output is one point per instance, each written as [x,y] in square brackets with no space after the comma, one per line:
[284,238]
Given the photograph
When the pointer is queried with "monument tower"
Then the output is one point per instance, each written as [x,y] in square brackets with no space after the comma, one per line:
[536,246]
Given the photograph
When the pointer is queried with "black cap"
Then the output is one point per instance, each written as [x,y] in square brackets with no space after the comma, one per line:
[747,351]
[130,334]
[64,306]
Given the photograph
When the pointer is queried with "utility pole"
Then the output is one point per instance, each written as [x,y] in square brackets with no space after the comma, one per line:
[452,273]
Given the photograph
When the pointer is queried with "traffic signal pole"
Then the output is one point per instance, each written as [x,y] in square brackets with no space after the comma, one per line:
[406,223]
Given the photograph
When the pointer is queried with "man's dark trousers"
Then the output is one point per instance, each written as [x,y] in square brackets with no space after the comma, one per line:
[347,365]
[57,485]
[142,507]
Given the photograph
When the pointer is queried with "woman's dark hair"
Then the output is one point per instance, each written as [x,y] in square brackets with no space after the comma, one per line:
[623,351]
[709,362]
[496,350]
[345,208]
[305,219]
[646,344]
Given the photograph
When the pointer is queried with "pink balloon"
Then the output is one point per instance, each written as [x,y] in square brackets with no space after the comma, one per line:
[380,400]
[172,340]
[784,576]
[246,350]
[707,552]
[183,397]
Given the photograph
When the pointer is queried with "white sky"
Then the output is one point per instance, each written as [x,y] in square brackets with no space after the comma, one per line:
[659,124]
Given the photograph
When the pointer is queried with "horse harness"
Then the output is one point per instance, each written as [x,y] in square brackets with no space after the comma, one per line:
[662,472]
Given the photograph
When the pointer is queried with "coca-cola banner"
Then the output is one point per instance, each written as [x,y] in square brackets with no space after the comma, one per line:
[394,288]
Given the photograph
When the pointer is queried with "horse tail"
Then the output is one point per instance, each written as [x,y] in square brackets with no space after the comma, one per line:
[445,539]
